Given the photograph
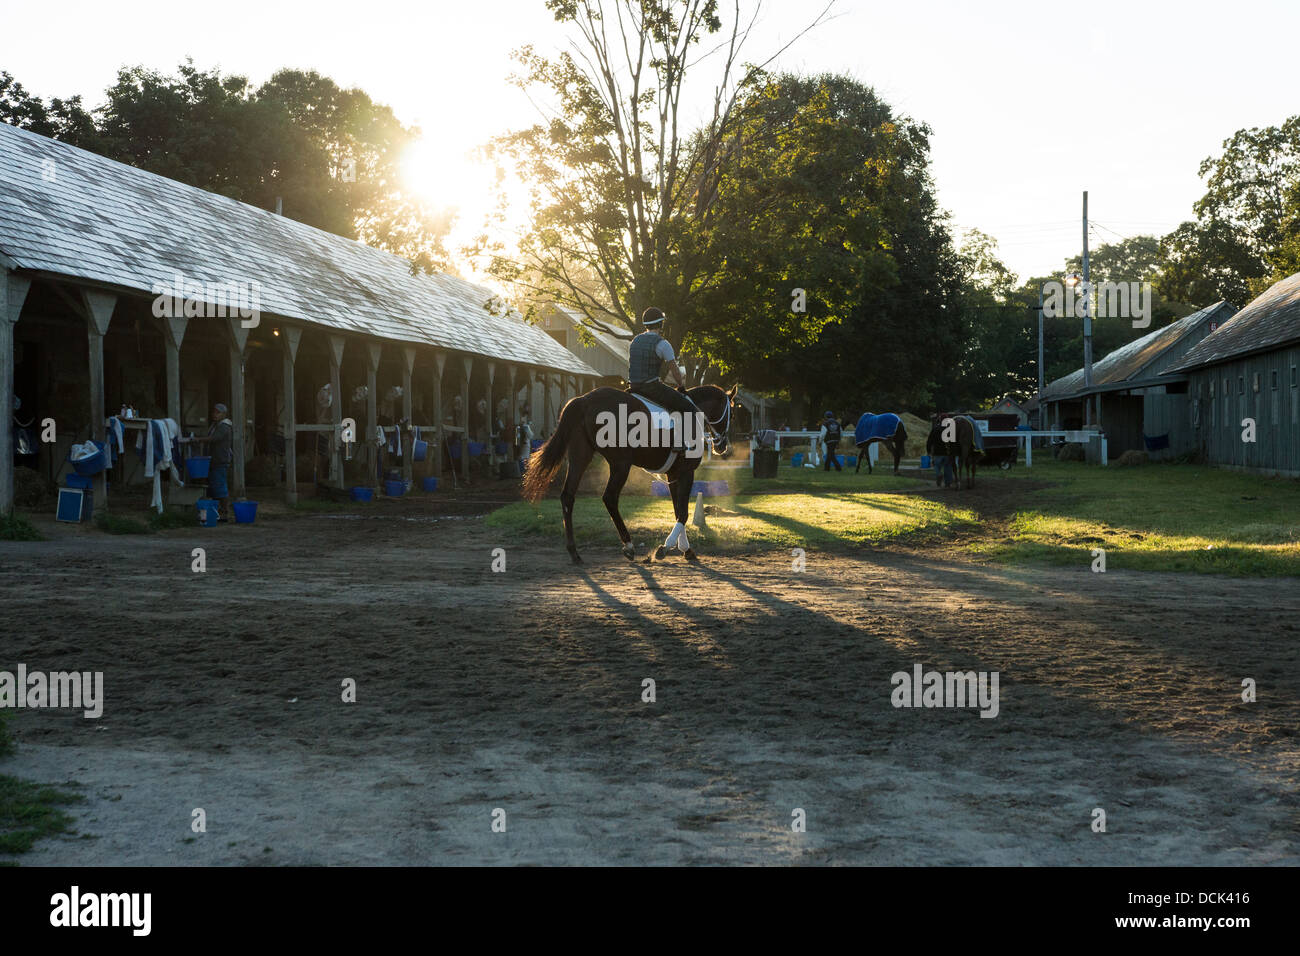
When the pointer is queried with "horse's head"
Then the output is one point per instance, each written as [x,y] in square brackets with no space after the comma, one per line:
[716,405]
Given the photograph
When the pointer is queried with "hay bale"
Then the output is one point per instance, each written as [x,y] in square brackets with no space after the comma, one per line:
[32,489]
[1071,451]
[1133,457]
[918,430]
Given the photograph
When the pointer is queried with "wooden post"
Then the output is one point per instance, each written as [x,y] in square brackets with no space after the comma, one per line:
[464,415]
[238,340]
[439,362]
[374,352]
[13,292]
[532,405]
[408,448]
[549,402]
[290,337]
[336,343]
[98,309]
[173,335]
[511,373]
[490,418]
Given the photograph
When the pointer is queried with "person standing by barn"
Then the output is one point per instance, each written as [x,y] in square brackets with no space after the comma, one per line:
[830,439]
[222,449]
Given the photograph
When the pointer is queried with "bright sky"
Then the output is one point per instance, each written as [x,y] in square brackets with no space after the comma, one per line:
[1030,102]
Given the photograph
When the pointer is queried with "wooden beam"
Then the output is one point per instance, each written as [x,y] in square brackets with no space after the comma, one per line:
[336,344]
[374,352]
[13,292]
[468,364]
[237,340]
[408,449]
[97,307]
[439,363]
[290,337]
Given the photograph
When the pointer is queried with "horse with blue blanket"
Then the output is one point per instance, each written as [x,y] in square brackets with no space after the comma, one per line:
[887,429]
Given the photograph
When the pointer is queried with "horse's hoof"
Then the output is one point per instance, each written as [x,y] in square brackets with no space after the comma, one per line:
[660,552]
[629,552]
[690,555]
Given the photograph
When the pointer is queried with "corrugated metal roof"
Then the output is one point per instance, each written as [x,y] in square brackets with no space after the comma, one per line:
[71,212]
[1128,361]
[1269,321]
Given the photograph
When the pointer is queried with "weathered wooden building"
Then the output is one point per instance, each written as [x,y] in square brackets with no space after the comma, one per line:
[121,287]
[1138,396]
[1248,369]
[603,348]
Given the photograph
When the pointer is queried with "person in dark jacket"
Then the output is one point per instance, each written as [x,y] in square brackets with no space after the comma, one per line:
[830,439]
[221,447]
[649,355]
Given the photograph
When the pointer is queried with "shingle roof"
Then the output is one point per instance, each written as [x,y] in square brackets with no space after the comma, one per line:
[1269,321]
[70,212]
[1128,361]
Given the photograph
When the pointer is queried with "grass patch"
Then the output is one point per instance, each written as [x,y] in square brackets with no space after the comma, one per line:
[14,527]
[802,509]
[119,524]
[169,518]
[1156,518]
[30,811]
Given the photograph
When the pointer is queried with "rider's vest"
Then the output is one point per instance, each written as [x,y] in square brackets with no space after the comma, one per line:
[643,363]
[832,430]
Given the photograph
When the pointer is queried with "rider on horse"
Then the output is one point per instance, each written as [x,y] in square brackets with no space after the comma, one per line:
[648,354]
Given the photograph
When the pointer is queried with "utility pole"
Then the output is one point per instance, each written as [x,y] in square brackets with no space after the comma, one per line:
[1087,306]
[1040,355]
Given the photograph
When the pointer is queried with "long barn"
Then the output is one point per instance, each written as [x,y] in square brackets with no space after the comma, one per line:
[119,287]
[1244,383]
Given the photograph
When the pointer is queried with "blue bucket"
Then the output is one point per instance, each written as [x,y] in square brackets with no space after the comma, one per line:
[94,464]
[659,489]
[207,512]
[420,450]
[476,448]
[362,493]
[394,489]
[925,462]
[245,511]
[197,467]
[796,459]
[429,484]
[535,444]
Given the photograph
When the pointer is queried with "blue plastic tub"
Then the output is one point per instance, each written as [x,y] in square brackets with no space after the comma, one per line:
[925,462]
[394,489]
[419,450]
[361,493]
[797,459]
[79,481]
[476,448]
[659,488]
[197,467]
[94,464]
[429,484]
[535,444]
[207,512]
[245,512]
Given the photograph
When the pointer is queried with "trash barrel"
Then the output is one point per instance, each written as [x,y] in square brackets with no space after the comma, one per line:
[766,461]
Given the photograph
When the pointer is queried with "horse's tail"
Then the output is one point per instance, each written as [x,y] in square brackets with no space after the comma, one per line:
[546,461]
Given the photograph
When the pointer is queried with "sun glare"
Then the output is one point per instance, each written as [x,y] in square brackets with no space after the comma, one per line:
[457,180]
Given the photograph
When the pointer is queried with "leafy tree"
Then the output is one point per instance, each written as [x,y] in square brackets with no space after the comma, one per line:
[614,171]
[63,119]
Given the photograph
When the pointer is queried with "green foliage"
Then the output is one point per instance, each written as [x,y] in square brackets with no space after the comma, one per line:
[118,524]
[14,527]
[29,811]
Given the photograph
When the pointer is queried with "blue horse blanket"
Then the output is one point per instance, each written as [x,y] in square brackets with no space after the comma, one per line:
[875,428]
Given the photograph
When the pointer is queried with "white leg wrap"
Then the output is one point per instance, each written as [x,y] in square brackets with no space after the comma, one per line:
[678,531]
[682,543]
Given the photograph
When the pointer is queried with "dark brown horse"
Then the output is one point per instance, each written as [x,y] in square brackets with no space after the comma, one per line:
[585,429]
[894,445]
[962,449]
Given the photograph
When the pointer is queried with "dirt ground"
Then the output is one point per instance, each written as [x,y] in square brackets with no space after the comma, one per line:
[522,690]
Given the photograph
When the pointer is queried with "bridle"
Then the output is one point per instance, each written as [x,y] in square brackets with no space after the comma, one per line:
[724,418]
